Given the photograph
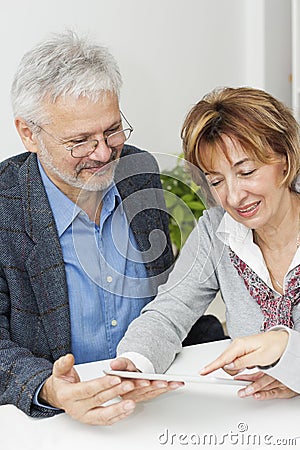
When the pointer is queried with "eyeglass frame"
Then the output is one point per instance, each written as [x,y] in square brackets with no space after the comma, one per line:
[71,147]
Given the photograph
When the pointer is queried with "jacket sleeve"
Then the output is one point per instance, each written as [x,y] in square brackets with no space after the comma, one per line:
[138,180]
[34,310]
[21,373]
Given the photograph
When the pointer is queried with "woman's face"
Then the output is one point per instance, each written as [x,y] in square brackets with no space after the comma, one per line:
[247,189]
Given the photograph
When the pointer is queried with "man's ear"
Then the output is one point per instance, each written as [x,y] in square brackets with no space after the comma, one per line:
[28,137]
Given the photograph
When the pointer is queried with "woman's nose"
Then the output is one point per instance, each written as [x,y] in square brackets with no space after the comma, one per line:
[235,194]
[235,197]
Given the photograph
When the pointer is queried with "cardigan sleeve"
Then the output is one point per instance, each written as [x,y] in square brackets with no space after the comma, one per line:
[158,332]
[287,370]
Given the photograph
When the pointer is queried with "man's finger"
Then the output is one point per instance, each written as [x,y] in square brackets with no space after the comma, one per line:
[88,389]
[108,415]
[63,365]
[152,391]
[108,394]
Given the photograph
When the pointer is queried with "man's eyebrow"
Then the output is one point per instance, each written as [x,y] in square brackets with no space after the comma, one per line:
[117,122]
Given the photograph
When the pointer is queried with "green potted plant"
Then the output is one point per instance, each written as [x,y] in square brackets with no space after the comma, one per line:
[183,203]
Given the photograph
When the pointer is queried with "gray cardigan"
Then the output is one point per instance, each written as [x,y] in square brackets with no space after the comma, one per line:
[202,269]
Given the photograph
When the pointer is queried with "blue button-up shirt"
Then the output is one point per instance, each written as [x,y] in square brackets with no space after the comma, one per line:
[106,279]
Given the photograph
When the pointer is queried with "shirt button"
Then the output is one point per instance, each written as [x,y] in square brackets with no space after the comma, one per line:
[114,323]
[109,279]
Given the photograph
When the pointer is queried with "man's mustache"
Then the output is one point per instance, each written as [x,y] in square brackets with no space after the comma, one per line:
[97,164]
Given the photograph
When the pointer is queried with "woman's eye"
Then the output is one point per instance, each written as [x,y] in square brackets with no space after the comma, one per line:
[248,172]
[214,183]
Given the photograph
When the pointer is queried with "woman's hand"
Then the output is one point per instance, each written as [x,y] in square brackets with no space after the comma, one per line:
[247,352]
[264,387]
[261,349]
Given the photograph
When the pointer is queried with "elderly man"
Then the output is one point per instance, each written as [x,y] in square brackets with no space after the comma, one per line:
[77,209]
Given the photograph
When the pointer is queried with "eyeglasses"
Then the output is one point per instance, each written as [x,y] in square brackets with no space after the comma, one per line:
[86,147]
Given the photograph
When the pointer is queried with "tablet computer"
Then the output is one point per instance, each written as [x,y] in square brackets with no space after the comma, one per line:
[177,377]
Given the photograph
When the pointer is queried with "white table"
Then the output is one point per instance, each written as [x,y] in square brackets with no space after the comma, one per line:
[196,416]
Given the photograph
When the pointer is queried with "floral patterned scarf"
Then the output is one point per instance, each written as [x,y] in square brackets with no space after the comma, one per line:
[276,308]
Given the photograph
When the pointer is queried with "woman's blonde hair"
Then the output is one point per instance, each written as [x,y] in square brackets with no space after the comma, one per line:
[260,123]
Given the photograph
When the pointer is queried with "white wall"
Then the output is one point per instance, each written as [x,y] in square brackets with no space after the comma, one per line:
[278,49]
[296,57]
[170,53]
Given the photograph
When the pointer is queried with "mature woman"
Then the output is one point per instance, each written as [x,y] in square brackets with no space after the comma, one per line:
[245,145]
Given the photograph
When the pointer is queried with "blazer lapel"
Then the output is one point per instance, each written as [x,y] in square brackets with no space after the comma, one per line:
[143,201]
[45,263]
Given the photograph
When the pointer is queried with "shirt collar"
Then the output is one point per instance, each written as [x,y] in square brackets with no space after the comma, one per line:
[229,230]
[65,211]
[240,239]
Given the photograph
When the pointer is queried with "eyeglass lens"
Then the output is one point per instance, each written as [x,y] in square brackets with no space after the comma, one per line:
[114,140]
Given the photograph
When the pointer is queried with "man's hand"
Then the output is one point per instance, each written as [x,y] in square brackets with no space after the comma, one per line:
[84,401]
[144,389]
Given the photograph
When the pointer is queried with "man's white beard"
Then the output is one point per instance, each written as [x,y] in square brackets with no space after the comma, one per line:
[97,182]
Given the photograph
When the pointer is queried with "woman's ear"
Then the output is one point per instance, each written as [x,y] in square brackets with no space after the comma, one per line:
[26,134]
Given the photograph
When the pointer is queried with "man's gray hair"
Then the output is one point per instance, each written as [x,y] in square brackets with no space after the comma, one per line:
[63,65]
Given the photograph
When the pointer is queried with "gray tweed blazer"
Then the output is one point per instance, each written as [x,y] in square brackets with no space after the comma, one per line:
[34,307]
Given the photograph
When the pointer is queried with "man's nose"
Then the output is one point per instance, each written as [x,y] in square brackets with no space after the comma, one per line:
[102,152]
